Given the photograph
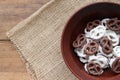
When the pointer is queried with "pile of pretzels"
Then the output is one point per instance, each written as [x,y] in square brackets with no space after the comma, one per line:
[99,46]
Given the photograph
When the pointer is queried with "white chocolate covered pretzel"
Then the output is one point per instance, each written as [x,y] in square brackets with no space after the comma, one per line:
[99,59]
[97,32]
[83,57]
[116,50]
[113,37]
[104,21]
[111,61]
[87,33]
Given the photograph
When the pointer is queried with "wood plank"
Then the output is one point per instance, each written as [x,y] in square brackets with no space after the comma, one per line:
[23,1]
[7,50]
[10,60]
[14,11]
[12,67]
[11,13]
[16,1]
[14,76]
[10,17]
[18,9]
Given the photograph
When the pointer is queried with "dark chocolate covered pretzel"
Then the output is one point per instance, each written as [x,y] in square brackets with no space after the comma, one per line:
[94,69]
[80,41]
[116,65]
[113,24]
[91,48]
[92,24]
[106,45]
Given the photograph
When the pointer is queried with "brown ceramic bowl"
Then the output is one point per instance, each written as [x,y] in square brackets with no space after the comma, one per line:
[75,26]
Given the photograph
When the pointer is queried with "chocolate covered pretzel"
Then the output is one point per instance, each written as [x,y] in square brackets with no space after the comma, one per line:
[113,24]
[98,32]
[99,59]
[80,41]
[116,65]
[91,48]
[116,50]
[111,35]
[106,45]
[94,69]
[99,47]
[92,24]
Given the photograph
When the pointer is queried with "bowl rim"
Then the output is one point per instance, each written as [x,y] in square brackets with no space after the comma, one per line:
[65,27]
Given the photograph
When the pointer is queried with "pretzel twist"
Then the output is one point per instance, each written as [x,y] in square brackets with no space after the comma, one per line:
[91,48]
[94,69]
[80,41]
[92,24]
[106,45]
[116,65]
[113,24]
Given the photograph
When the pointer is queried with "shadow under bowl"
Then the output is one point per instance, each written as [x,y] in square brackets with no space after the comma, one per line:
[76,25]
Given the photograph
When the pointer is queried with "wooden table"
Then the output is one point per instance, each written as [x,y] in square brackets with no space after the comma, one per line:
[11,13]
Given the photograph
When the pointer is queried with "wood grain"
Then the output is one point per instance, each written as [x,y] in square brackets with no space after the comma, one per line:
[14,11]
[15,76]
[11,13]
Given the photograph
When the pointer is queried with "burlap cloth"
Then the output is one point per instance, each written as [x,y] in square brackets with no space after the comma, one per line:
[38,38]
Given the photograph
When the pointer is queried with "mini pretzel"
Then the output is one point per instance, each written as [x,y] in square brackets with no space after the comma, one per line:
[94,68]
[116,65]
[99,59]
[102,53]
[84,59]
[104,21]
[113,24]
[80,52]
[116,50]
[91,48]
[80,41]
[106,45]
[113,37]
[92,24]
[97,32]
[87,33]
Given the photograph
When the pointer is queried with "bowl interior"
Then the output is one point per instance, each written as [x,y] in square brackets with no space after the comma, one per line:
[75,26]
